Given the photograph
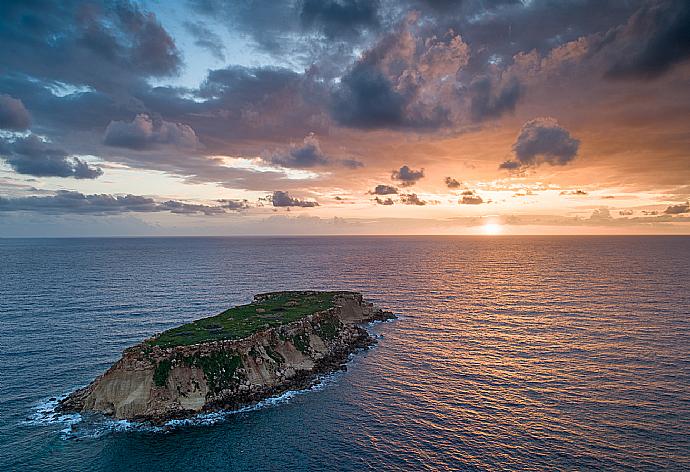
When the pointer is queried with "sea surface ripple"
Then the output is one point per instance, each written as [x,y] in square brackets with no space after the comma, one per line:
[511,353]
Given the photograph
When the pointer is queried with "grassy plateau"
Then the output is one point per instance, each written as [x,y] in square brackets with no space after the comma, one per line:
[274,309]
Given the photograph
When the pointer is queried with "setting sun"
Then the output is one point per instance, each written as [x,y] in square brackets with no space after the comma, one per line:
[492,229]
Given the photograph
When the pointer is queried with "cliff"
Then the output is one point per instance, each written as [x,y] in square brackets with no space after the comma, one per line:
[281,341]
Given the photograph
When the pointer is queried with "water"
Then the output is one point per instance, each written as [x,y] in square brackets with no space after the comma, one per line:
[527,353]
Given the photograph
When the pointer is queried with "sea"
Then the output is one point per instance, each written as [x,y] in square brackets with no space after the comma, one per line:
[509,353]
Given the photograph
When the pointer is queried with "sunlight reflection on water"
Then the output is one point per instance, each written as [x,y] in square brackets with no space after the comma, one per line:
[521,353]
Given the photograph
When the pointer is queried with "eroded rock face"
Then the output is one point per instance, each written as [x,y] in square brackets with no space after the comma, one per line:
[157,384]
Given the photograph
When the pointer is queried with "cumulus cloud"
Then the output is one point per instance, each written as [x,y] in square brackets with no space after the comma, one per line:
[308,154]
[452,183]
[677,209]
[145,133]
[412,199]
[384,190]
[543,140]
[75,202]
[406,80]
[384,201]
[283,199]
[13,114]
[625,212]
[469,197]
[32,156]
[407,176]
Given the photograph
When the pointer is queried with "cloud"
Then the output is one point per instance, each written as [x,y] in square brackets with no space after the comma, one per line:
[32,156]
[469,197]
[626,212]
[654,39]
[308,154]
[384,201]
[13,114]
[452,183]
[677,209]
[406,80]
[145,133]
[384,190]
[110,45]
[491,101]
[573,192]
[510,165]
[234,205]
[412,199]
[283,199]
[543,140]
[75,202]
[206,39]
[406,176]
[601,215]
[340,18]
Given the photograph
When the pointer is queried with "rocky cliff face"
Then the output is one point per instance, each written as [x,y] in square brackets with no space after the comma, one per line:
[157,384]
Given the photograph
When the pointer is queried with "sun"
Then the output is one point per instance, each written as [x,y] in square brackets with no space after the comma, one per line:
[492,229]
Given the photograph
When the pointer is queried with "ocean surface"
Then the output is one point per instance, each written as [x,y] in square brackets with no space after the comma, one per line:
[510,353]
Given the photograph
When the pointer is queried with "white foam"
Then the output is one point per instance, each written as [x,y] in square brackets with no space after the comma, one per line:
[78,426]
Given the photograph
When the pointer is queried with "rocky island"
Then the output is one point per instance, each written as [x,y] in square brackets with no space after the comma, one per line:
[280,341]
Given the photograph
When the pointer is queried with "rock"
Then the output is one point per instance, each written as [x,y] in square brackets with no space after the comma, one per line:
[157,384]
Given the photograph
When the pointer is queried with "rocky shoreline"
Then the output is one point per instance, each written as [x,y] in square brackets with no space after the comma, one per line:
[156,384]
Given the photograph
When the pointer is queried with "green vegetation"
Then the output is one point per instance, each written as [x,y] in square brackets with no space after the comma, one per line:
[219,368]
[160,374]
[301,342]
[328,329]
[275,355]
[271,310]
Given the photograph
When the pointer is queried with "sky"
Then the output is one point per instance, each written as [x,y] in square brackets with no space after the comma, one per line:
[261,117]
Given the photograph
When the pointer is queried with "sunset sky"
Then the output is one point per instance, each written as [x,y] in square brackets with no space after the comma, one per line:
[205,117]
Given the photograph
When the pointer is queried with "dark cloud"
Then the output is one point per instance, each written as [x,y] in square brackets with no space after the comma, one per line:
[407,176]
[111,45]
[677,209]
[626,212]
[206,39]
[32,156]
[412,199]
[283,199]
[234,205]
[406,80]
[308,154]
[452,183]
[384,201]
[543,140]
[340,18]
[491,101]
[366,99]
[573,192]
[75,202]
[510,165]
[655,38]
[384,190]
[13,114]
[143,133]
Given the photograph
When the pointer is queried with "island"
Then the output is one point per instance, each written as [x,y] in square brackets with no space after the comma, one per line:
[280,341]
